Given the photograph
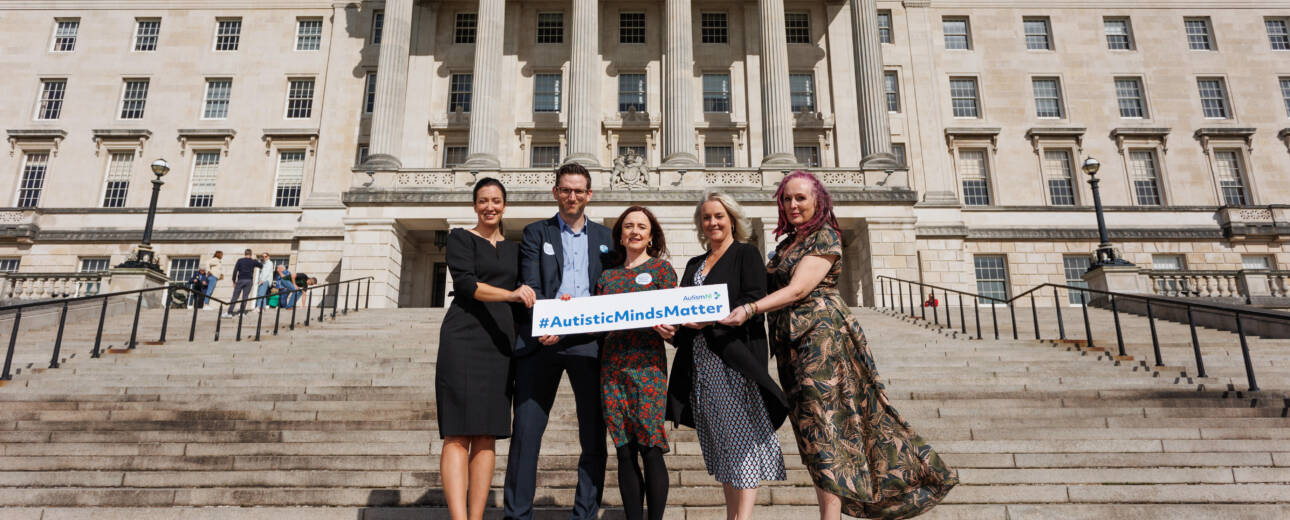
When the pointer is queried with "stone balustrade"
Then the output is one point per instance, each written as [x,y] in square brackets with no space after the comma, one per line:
[1246,286]
[20,287]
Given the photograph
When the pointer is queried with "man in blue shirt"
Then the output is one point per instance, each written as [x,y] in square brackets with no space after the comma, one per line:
[558,256]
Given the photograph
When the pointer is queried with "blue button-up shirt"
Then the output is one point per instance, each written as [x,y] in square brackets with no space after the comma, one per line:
[575,280]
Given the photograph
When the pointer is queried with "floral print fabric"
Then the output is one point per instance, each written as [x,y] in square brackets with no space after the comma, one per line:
[852,441]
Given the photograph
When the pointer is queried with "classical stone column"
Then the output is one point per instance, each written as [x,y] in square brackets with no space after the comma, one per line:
[483,103]
[678,120]
[391,87]
[875,133]
[584,72]
[776,105]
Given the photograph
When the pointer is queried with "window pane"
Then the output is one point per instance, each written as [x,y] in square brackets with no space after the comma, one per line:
[118,179]
[975,175]
[454,155]
[631,27]
[201,191]
[145,35]
[1074,267]
[798,27]
[300,98]
[714,28]
[53,90]
[1285,94]
[1213,98]
[1118,36]
[33,179]
[378,26]
[459,92]
[94,265]
[466,26]
[9,265]
[719,156]
[808,156]
[963,97]
[716,92]
[134,98]
[991,277]
[227,34]
[1128,93]
[884,27]
[898,150]
[291,176]
[1198,36]
[369,94]
[1037,37]
[1167,262]
[1278,33]
[956,33]
[1048,100]
[802,92]
[550,28]
[545,156]
[1059,173]
[65,35]
[1145,176]
[631,92]
[891,87]
[218,92]
[309,35]
[546,93]
[1256,262]
[1231,177]
[181,269]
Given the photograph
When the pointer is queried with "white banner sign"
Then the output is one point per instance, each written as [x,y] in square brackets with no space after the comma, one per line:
[630,310]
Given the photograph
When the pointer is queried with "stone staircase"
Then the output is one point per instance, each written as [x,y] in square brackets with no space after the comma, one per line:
[337,421]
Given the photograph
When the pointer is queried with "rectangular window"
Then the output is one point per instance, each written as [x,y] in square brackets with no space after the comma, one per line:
[1167,262]
[363,152]
[1285,94]
[808,156]
[459,92]
[991,277]
[291,176]
[378,26]
[631,27]
[957,35]
[1038,37]
[96,264]
[309,34]
[631,92]
[34,168]
[1231,177]
[1119,34]
[963,97]
[544,156]
[145,35]
[884,27]
[1278,33]
[714,28]
[1213,98]
[1059,176]
[300,98]
[891,87]
[898,150]
[218,92]
[624,149]
[133,98]
[550,28]
[118,179]
[454,155]
[1048,98]
[974,172]
[801,89]
[1128,93]
[1199,37]
[798,27]
[1145,175]
[65,35]
[369,93]
[1262,262]
[9,265]
[183,268]
[201,189]
[719,156]
[1074,266]
[228,33]
[466,26]
[546,92]
[53,90]
[716,92]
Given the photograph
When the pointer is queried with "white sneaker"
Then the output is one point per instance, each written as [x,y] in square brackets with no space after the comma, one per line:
[226,315]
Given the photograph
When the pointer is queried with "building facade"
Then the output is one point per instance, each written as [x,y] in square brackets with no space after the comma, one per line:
[343,137]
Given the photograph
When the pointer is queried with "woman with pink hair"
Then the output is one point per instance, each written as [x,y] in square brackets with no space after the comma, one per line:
[864,459]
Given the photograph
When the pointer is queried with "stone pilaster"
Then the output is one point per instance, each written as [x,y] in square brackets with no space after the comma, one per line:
[678,120]
[391,87]
[484,87]
[875,134]
[776,104]
[374,247]
[584,73]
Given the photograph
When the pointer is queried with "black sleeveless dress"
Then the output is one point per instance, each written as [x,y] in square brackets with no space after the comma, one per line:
[476,339]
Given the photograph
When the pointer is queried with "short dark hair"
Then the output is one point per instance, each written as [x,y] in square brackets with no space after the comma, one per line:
[485,182]
[248,252]
[573,169]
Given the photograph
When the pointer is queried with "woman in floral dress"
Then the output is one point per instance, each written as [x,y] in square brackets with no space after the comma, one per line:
[633,373]
[864,459]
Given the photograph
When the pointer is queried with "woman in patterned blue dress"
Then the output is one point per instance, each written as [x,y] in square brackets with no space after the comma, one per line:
[720,382]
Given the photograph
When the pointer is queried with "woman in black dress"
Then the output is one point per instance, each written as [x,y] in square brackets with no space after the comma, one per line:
[475,341]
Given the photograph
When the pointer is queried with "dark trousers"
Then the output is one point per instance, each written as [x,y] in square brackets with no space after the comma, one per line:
[537,378]
[242,288]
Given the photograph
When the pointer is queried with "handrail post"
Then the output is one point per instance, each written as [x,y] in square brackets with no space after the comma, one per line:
[239,325]
[309,302]
[1245,353]
[1034,314]
[947,310]
[322,305]
[910,287]
[220,321]
[1155,340]
[13,342]
[931,295]
[1195,344]
[1012,314]
[976,311]
[922,307]
[277,315]
[1119,335]
[1088,329]
[335,303]
[192,327]
[882,291]
[165,313]
[259,321]
[58,341]
[994,315]
[346,311]
[962,320]
[98,336]
[899,294]
[134,330]
[367,299]
[295,304]
[1057,306]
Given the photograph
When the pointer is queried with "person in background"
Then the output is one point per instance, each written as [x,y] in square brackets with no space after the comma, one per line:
[243,281]
[286,287]
[197,284]
[264,280]
[214,273]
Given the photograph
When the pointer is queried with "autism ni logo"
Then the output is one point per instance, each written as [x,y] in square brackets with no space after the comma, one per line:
[701,297]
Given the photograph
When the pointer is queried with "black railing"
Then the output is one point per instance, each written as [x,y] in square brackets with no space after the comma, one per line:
[894,291]
[171,291]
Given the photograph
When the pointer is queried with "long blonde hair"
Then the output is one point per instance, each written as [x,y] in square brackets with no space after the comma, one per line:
[741,228]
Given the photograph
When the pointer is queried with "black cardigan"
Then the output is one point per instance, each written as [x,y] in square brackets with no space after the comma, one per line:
[744,348]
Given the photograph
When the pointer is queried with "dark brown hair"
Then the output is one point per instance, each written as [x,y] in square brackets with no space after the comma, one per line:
[573,169]
[658,247]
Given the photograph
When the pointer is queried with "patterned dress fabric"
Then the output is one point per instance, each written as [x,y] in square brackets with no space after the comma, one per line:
[633,366]
[853,442]
[739,446]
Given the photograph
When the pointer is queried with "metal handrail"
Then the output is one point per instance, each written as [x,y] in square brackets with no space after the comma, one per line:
[170,288]
[886,283]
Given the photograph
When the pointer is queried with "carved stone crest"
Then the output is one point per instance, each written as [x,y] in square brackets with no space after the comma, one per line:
[630,171]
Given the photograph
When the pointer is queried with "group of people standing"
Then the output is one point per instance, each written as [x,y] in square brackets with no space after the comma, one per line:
[273,284]
[494,380]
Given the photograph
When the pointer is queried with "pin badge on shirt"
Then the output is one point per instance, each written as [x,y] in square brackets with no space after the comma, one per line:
[644,279]
[546,248]
[604,249]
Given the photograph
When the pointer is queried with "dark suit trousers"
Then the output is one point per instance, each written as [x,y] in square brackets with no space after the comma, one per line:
[537,378]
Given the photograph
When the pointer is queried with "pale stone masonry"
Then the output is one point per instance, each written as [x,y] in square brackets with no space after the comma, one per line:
[992,106]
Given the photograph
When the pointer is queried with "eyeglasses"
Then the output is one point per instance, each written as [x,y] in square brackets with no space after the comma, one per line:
[566,192]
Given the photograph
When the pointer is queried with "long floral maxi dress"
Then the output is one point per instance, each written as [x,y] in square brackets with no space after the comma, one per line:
[853,442]
[633,366]
[739,445]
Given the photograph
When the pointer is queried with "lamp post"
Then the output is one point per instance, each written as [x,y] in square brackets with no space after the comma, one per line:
[144,257]
[1106,254]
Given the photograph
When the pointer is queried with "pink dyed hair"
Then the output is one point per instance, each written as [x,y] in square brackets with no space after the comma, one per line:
[823,207]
